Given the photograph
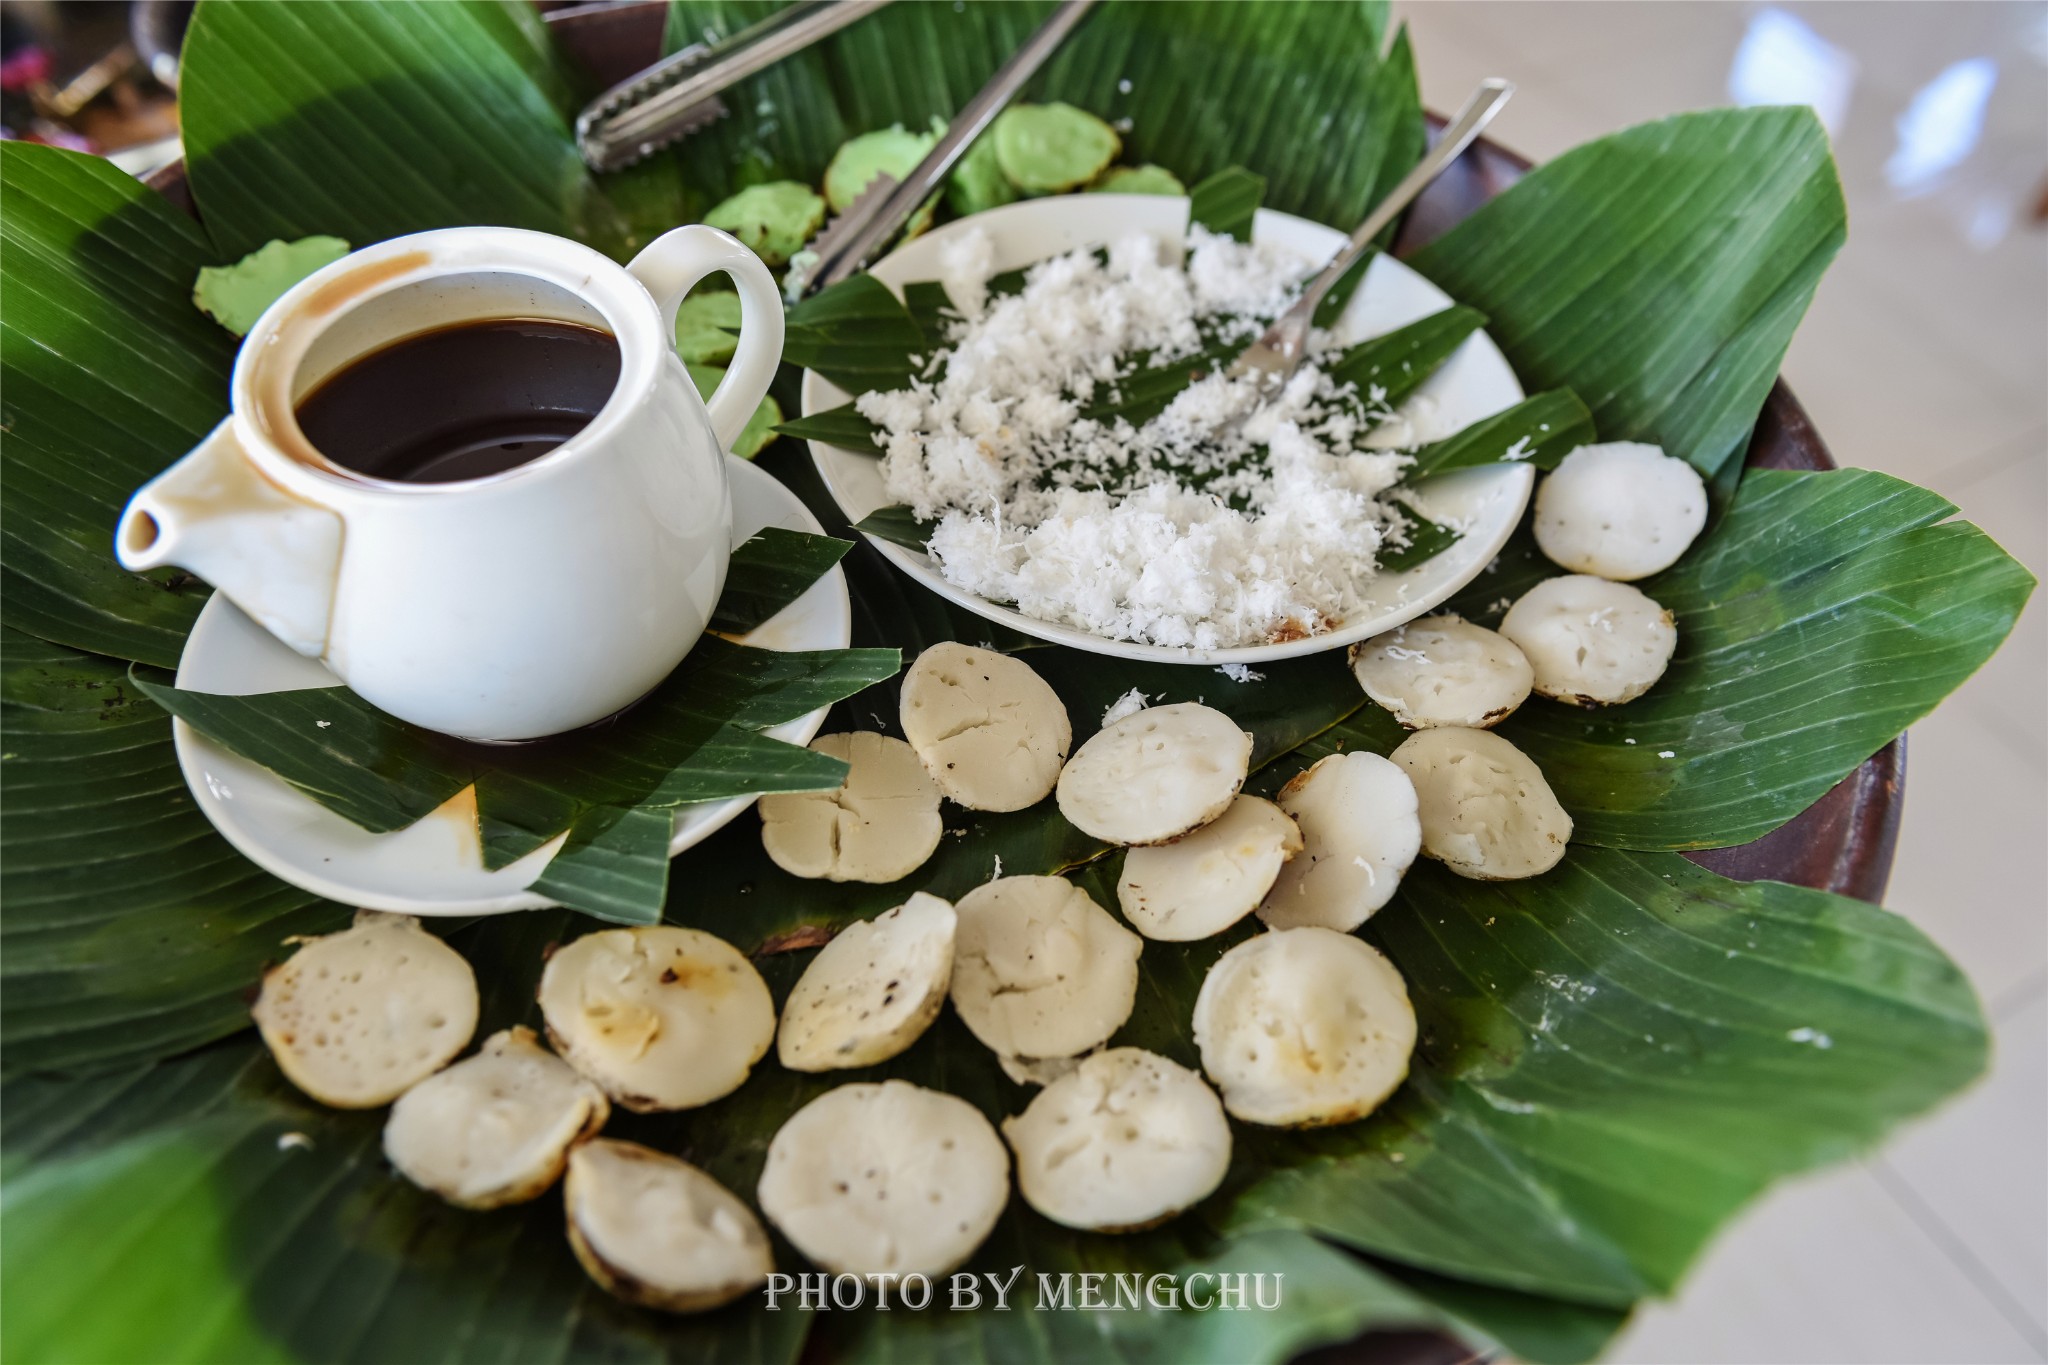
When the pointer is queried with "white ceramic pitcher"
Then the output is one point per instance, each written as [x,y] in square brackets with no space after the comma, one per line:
[514,606]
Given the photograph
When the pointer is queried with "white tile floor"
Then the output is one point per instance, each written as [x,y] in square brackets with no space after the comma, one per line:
[1926,355]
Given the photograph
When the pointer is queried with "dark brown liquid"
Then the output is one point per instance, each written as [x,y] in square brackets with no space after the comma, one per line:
[462,402]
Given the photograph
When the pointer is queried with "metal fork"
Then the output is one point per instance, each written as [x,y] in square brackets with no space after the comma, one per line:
[1276,355]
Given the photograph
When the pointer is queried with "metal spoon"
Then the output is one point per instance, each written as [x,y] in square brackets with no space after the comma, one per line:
[1278,353]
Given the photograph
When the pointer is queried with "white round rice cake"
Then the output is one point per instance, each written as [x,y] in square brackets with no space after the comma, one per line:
[889,1178]
[1155,775]
[879,825]
[357,1018]
[1360,832]
[1204,882]
[1592,642]
[1125,1140]
[495,1128]
[872,991]
[661,1017]
[1623,510]
[1443,670]
[1039,969]
[990,731]
[656,1231]
[1301,1028]
[1487,813]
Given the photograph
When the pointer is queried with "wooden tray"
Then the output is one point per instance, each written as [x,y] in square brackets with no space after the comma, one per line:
[1843,843]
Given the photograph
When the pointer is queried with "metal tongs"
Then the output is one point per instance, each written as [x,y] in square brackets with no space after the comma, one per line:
[679,94]
[851,241]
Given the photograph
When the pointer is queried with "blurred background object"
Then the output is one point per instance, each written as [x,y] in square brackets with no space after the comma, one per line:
[94,76]
[157,28]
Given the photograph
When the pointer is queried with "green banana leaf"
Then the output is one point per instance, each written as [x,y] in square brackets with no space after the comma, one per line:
[1644,270]
[1616,1055]
[1600,1048]
[1299,92]
[219,1207]
[224,1227]
[1821,616]
[1425,539]
[695,738]
[770,571]
[131,931]
[422,115]
[1399,362]
[898,526]
[841,426]
[374,120]
[1590,1033]
[110,374]
[1541,430]
[1227,202]
[857,334]
[612,788]
[1732,972]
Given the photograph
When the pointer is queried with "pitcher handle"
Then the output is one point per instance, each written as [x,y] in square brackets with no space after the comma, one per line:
[671,265]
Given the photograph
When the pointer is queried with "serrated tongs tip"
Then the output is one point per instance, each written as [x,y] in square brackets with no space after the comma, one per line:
[678,95]
[836,236]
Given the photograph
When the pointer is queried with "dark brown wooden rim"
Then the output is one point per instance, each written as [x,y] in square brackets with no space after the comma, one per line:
[1845,841]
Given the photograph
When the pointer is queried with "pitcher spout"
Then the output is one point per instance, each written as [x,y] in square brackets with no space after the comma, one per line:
[213,513]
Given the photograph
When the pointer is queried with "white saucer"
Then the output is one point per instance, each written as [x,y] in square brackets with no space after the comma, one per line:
[1474,383]
[435,867]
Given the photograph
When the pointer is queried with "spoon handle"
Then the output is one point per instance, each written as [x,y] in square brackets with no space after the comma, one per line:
[1477,113]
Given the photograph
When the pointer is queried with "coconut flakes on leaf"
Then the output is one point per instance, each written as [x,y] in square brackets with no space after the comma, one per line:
[1229,516]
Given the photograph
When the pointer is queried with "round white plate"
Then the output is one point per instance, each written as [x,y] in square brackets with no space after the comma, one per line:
[1474,383]
[435,867]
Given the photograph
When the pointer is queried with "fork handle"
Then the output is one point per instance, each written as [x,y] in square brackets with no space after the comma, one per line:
[1477,113]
